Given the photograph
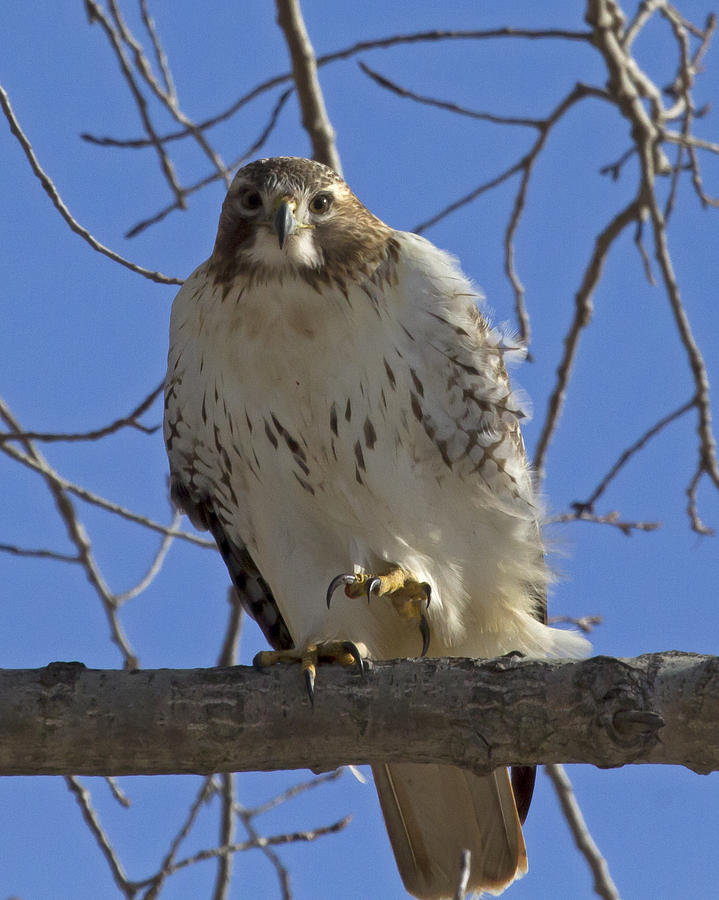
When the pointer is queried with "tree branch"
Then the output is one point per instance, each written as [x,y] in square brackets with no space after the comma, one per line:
[478,714]
[304,71]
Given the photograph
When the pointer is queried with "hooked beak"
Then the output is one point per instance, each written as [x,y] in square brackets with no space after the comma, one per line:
[284,221]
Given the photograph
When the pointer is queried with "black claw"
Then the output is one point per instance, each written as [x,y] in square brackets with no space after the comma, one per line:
[424,631]
[310,685]
[427,588]
[352,648]
[336,582]
[371,585]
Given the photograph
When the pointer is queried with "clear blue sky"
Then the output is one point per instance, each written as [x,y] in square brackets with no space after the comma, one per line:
[83,340]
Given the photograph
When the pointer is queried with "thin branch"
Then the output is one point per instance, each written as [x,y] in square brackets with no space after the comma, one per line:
[642,250]
[155,566]
[260,842]
[707,463]
[97,14]
[626,455]
[230,645]
[160,56]
[38,554]
[227,836]
[304,70]
[128,421]
[89,497]
[214,176]
[578,92]
[385,82]
[167,865]
[644,12]
[283,876]
[82,795]
[77,535]
[167,98]
[117,792]
[582,318]
[603,884]
[614,170]
[689,140]
[58,203]
[611,518]
[294,791]
[346,53]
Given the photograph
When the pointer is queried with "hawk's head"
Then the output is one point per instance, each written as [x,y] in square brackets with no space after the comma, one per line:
[289,215]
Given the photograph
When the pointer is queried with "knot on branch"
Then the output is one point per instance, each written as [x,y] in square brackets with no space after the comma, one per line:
[61,673]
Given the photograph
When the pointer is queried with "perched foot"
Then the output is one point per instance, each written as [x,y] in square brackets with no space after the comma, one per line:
[409,596]
[346,653]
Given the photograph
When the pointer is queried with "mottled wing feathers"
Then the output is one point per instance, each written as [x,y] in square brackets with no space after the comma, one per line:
[252,589]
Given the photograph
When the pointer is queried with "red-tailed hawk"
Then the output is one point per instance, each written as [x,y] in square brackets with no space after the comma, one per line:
[336,404]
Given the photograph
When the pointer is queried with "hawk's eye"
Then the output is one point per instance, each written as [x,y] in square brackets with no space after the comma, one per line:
[320,203]
[251,200]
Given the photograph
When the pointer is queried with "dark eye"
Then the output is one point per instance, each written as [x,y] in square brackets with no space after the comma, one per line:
[320,203]
[251,200]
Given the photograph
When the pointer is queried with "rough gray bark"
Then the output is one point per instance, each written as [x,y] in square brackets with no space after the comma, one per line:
[658,708]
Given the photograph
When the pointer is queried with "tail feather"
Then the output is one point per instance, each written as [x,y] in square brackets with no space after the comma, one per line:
[434,812]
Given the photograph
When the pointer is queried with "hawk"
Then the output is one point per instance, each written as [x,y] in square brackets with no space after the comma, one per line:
[338,414]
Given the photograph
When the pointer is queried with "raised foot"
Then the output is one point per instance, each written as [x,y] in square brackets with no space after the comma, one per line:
[346,653]
[410,597]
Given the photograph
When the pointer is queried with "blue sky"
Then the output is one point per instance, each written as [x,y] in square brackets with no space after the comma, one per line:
[84,340]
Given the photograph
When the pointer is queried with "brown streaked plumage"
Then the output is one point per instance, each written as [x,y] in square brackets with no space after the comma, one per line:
[336,403]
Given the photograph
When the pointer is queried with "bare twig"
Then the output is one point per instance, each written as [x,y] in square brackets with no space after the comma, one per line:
[642,250]
[160,56]
[283,876]
[97,14]
[707,463]
[117,792]
[588,504]
[58,203]
[525,165]
[579,92]
[272,841]
[611,518]
[128,421]
[44,469]
[346,53]
[154,567]
[227,836]
[642,15]
[77,536]
[82,795]
[294,791]
[230,645]
[385,82]
[304,70]
[603,884]
[614,170]
[167,866]
[38,554]
[582,318]
[167,98]
[209,179]
[544,125]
